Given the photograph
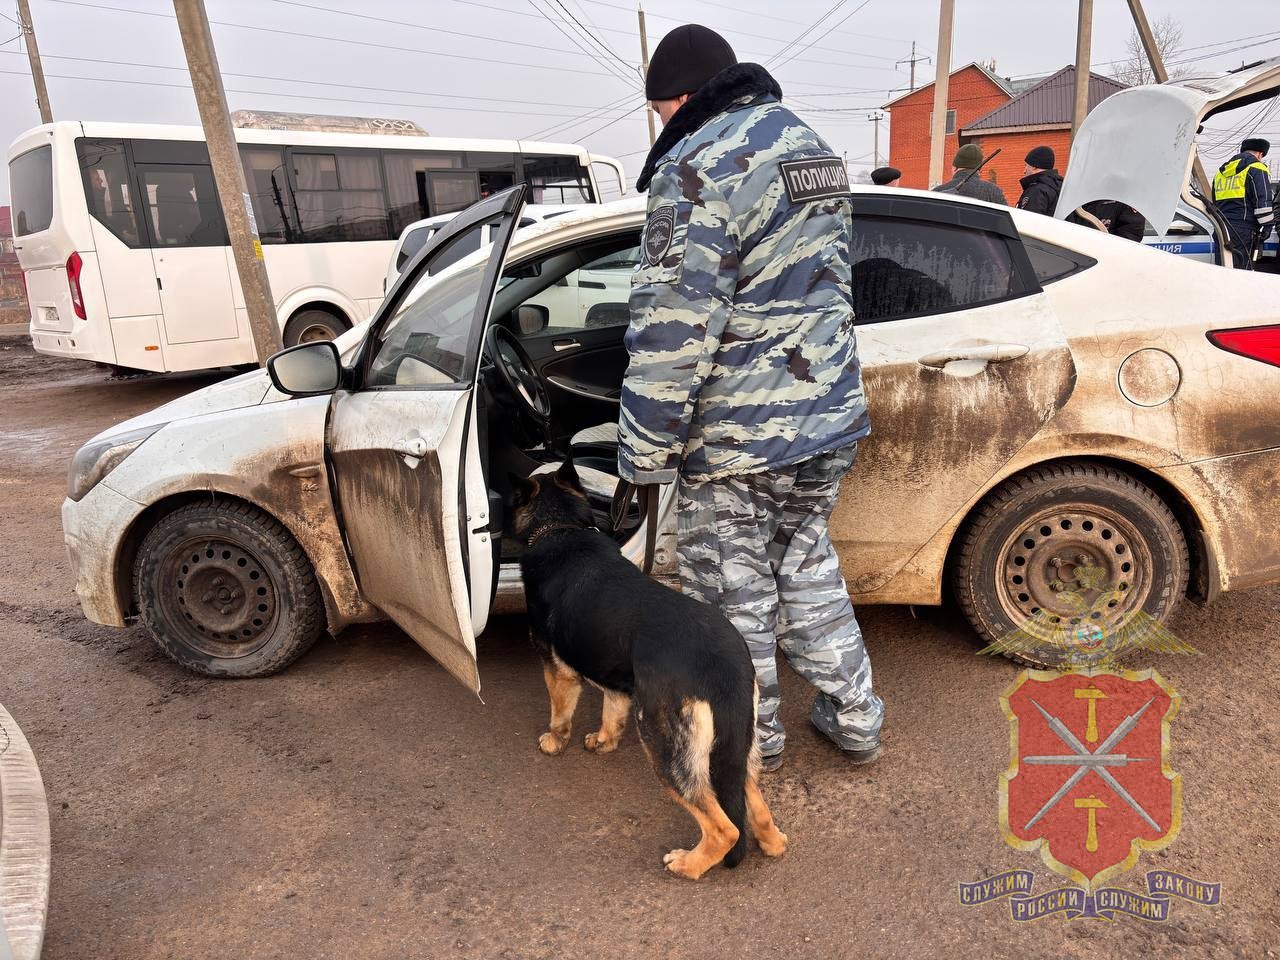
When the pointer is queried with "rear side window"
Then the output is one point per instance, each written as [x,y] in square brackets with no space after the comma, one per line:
[108,191]
[31,183]
[414,241]
[1051,262]
[905,268]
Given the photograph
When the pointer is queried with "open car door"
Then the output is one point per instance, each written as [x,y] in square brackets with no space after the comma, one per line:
[1138,145]
[402,441]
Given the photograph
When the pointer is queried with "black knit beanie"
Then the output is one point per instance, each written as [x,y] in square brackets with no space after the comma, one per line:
[1041,158]
[686,58]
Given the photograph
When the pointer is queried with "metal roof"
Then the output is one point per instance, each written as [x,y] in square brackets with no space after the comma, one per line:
[1049,103]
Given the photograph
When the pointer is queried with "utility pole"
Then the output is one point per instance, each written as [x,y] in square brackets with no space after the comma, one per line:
[875,153]
[913,60]
[941,89]
[211,99]
[1156,60]
[33,55]
[644,64]
[1084,44]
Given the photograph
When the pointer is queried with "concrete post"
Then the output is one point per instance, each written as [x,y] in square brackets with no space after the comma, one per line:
[211,99]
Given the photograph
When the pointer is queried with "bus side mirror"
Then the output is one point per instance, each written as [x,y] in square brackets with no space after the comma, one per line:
[307,370]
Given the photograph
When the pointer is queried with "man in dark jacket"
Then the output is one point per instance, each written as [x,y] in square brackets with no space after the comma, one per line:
[1041,183]
[1118,219]
[743,386]
[965,179]
[1242,190]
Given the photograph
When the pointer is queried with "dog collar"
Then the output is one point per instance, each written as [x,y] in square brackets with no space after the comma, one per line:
[546,528]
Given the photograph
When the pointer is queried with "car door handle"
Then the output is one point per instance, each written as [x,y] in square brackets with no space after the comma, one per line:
[417,447]
[560,345]
[591,285]
[984,352]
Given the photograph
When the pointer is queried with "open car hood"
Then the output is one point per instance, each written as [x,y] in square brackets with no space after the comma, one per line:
[1137,146]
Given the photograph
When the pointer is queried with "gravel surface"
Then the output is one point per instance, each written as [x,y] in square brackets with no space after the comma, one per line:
[363,804]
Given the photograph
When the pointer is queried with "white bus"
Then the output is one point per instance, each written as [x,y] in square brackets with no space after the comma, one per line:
[124,249]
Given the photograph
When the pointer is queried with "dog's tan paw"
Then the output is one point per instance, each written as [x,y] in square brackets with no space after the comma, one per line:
[683,864]
[597,744]
[774,846]
[552,745]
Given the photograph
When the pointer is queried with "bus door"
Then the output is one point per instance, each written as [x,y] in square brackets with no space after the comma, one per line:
[188,246]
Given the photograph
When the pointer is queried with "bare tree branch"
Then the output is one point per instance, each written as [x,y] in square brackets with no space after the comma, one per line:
[1134,69]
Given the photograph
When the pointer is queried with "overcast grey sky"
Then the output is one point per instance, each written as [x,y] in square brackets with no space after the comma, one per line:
[501,68]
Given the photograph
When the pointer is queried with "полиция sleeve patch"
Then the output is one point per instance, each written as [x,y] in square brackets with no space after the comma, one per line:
[815,178]
[658,231]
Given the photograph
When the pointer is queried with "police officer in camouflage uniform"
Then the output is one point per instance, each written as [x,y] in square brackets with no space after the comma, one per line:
[744,386]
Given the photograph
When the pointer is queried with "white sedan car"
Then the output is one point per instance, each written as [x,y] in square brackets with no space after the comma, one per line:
[1058,415]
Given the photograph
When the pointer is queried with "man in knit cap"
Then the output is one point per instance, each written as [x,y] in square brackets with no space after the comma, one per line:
[744,388]
[1242,190]
[1041,182]
[886,177]
[965,179]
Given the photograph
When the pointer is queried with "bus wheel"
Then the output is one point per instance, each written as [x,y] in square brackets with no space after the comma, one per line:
[308,325]
[226,590]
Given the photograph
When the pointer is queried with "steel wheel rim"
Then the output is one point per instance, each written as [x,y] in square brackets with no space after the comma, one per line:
[1077,572]
[314,332]
[220,596]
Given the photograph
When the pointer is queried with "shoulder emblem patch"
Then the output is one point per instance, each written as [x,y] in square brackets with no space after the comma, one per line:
[815,178]
[658,231]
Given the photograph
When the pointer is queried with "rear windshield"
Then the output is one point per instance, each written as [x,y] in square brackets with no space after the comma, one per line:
[31,183]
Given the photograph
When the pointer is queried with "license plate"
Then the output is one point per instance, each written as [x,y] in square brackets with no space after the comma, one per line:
[50,315]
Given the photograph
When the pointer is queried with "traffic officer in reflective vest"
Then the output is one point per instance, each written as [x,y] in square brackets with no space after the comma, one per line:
[1242,190]
[743,386]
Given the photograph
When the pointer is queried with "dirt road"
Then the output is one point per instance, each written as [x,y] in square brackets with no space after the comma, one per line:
[362,804]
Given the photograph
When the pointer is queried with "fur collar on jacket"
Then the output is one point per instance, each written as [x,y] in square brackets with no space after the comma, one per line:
[713,97]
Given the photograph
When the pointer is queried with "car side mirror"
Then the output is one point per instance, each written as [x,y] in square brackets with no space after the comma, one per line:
[307,370]
[532,318]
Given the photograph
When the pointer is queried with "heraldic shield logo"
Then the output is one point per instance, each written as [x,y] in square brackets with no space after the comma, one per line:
[1089,783]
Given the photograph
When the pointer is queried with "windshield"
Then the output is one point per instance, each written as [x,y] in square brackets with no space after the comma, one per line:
[31,180]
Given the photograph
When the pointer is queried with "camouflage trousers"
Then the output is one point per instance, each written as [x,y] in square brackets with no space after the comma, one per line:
[757,546]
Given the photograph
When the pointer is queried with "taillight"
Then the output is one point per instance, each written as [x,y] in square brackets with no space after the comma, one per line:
[74,266]
[1256,343]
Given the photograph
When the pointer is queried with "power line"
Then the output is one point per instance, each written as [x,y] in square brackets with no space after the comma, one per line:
[811,42]
[590,115]
[578,43]
[292,96]
[593,38]
[805,32]
[317,83]
[344,40]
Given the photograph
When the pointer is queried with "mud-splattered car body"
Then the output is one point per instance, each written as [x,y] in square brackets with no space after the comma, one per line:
[1036,352]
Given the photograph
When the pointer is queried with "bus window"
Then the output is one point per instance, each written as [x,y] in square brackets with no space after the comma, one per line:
[497,171]
[182,206]
[338,196]
[104,169]
[559,179]
[407,183]
[452,190]
[31,182]
[269,190]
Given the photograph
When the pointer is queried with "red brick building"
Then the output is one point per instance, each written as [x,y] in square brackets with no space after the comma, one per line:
[974,92]
[991,112]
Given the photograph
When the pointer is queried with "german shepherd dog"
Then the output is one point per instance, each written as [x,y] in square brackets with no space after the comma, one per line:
[594,616]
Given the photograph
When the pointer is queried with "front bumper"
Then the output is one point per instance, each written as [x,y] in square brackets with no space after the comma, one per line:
[94,530]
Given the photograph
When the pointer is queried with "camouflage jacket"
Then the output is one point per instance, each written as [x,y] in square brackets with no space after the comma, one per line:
[741,346]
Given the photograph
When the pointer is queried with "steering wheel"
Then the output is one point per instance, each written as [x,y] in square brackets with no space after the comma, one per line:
[516,371]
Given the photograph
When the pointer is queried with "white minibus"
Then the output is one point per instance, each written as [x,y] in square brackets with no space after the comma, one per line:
[124,249]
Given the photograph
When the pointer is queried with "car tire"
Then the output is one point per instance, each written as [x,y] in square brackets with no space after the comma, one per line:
[226,590]
[306,326]
[1039,536]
